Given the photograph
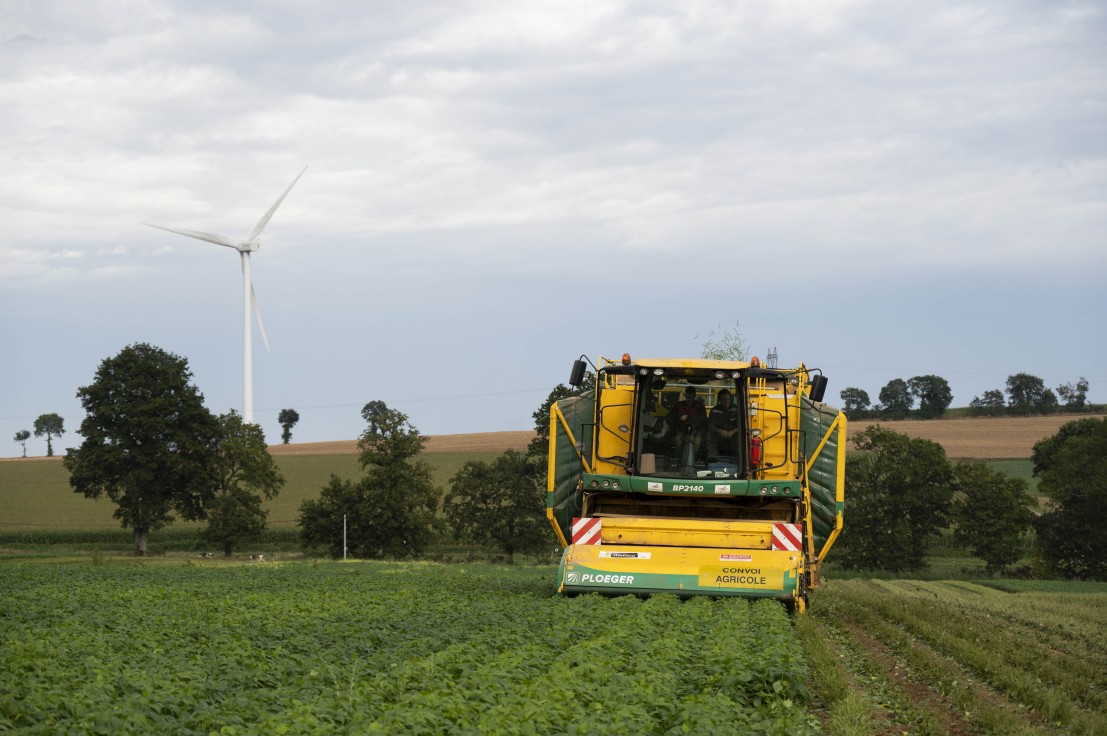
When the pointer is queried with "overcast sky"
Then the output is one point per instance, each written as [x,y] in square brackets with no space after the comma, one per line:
[880,190]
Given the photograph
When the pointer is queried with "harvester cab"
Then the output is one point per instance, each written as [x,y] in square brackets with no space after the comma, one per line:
[695,477]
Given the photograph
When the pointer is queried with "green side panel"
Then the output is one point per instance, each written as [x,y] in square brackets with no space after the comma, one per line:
[815,420]
[588,580]
[579,412]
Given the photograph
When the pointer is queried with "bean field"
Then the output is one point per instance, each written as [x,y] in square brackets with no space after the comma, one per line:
[388,648]
[115,645]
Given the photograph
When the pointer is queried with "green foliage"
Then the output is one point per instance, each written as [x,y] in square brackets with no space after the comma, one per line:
[991,404]
[501,503]
[287,419]
[855,402]
[898,492]
[1045,450]
[991,511]
[21,437]
[383,648]
[149,441]
[389,439]
[933,393]
[1027,394]
[390,511]
[1072,467]
[50,425]
[244,472]
[896,399]
[725,343]
[1075,395]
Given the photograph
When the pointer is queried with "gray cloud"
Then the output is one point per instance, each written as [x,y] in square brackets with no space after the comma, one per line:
[465,155]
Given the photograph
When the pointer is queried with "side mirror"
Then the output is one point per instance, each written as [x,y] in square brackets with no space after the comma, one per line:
[818,388]
[576,377]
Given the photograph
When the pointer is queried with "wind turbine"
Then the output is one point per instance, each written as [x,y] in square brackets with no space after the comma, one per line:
[249,300]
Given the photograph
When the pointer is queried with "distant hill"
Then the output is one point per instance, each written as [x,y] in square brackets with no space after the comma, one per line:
[985,438]
[480,442]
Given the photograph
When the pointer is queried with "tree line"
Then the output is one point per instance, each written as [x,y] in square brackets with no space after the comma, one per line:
[902,492]
[52,425]
[1025,394]
[152,447]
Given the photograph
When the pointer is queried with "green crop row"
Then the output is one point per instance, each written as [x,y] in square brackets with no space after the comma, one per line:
[1043,656]
[375,647]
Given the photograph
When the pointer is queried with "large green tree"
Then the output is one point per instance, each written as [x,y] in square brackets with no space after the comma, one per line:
[933,393]
[52,426]
[991,513]
[244,473]
[855,402]
[287,419]
[899,491]
[1027,394]
[21,437]
[501,503]
[1072,536]
[149,442]
[390,511]
[896,399]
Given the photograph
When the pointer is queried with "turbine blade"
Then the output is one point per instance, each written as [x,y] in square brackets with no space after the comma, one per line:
[268,215]
[257,313]
[210,237]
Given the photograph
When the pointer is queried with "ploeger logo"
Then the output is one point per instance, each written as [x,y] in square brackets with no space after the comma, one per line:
[572,577]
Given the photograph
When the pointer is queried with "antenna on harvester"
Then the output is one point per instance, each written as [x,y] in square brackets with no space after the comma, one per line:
[771,357]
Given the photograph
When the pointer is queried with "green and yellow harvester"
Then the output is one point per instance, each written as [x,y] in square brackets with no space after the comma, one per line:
[696,477]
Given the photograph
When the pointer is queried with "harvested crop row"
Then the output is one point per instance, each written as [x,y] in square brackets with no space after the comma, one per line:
[1058,687]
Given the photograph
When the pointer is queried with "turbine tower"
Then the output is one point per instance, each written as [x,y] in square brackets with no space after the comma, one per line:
[249,299]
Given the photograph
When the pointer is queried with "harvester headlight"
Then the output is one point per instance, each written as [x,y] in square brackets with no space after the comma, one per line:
[606,483]
[735,374]
[720,374]
[595,484]
[774,489]
[624,428]
[643,371]
[658,372]
[615,484]
[755,432]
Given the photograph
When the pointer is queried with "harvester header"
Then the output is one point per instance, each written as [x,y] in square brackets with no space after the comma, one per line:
[695,477]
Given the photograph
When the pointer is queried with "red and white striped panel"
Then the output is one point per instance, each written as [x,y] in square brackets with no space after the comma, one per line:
[586,531]
[787,537]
